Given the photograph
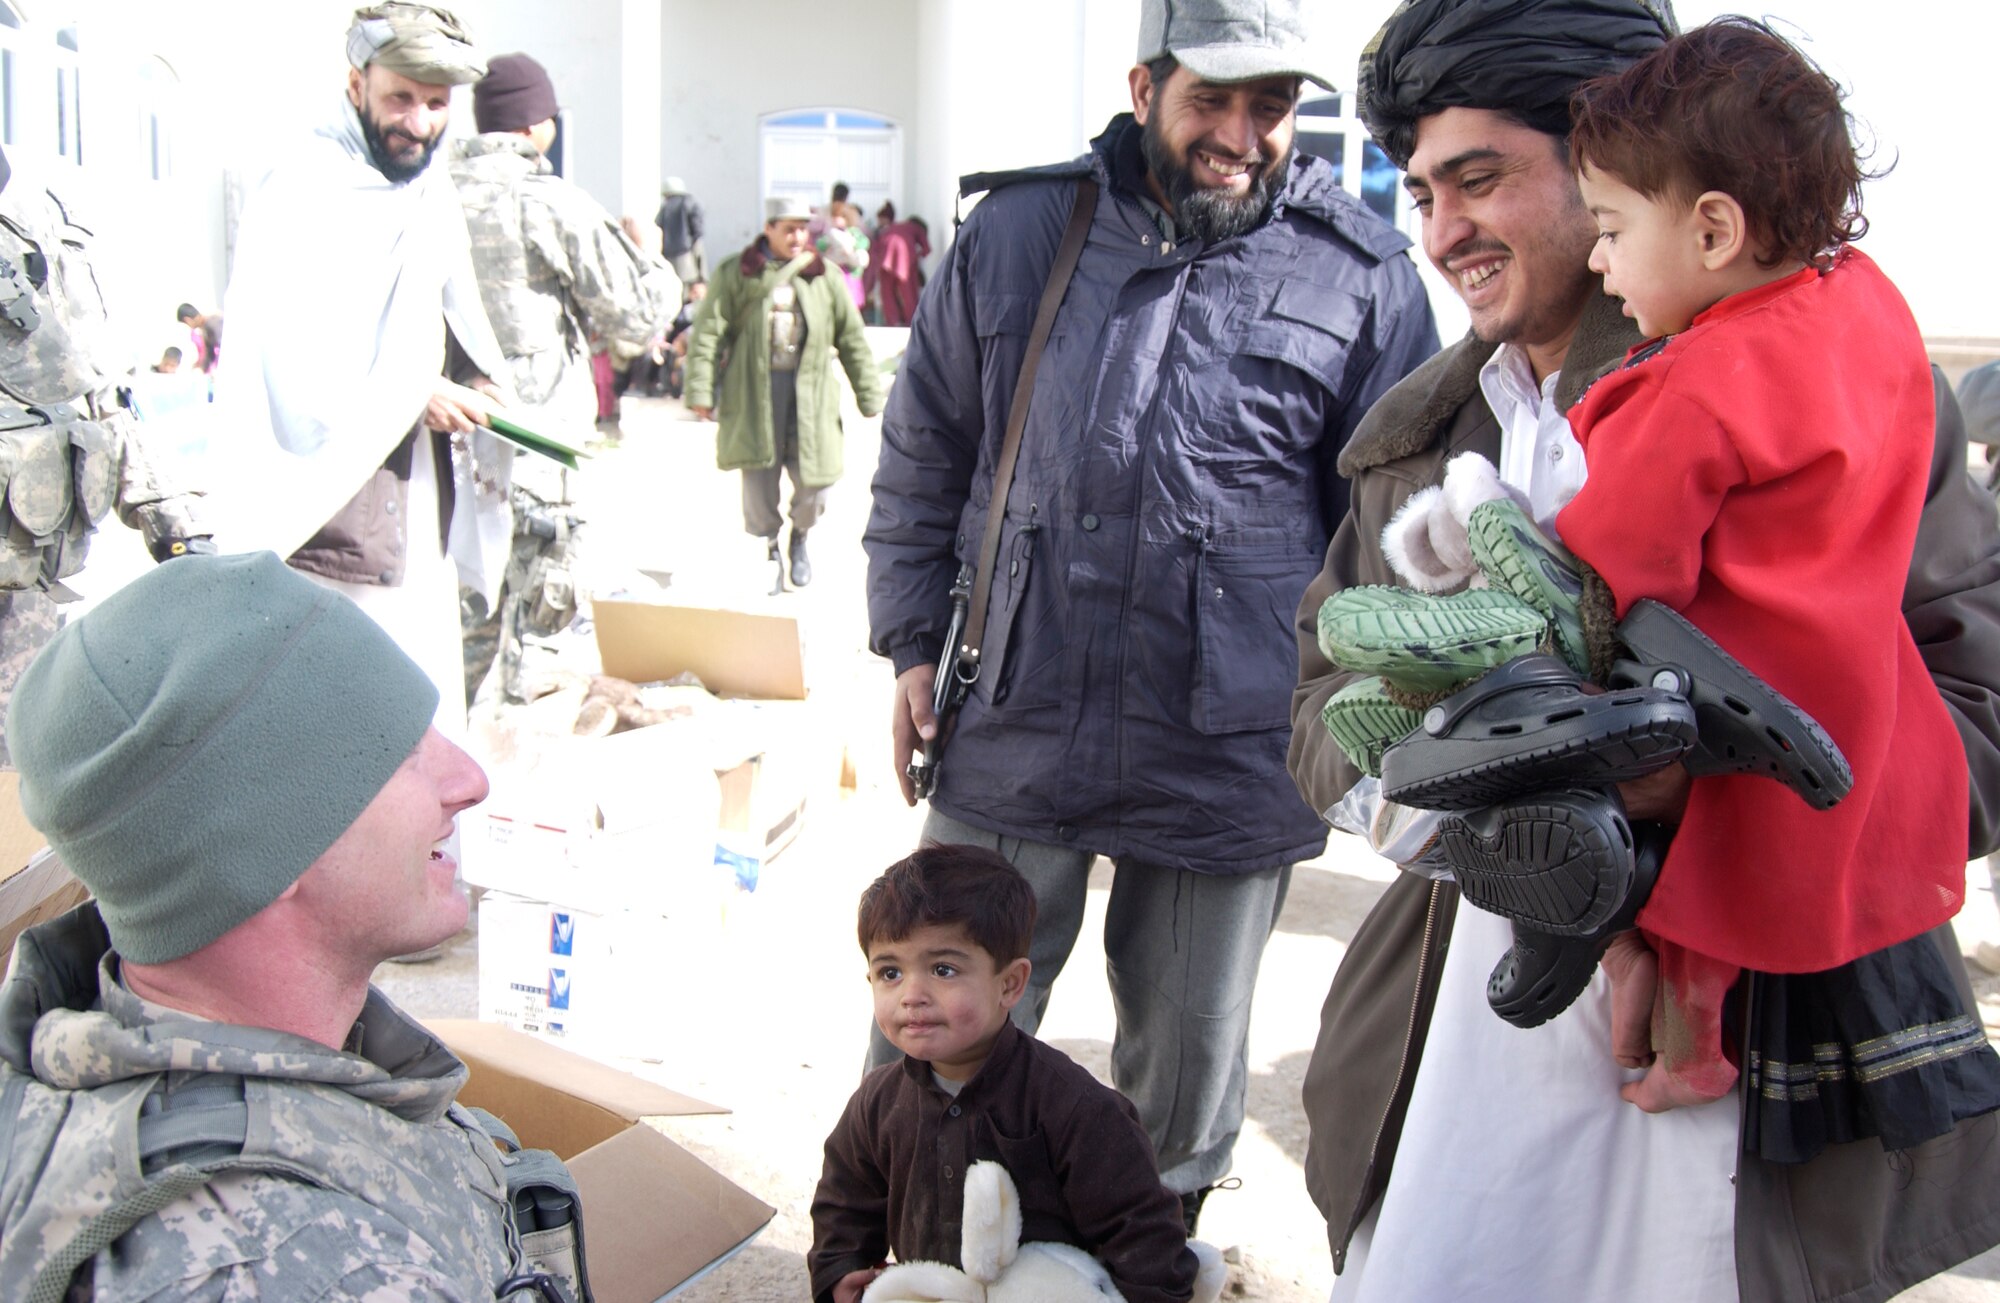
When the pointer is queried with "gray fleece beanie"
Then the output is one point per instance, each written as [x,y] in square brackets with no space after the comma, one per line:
[192,745]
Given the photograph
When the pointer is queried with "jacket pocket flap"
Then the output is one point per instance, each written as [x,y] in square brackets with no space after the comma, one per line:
[1336,312]
[1246,648]
[38,483]
[96,470]
[1310,327]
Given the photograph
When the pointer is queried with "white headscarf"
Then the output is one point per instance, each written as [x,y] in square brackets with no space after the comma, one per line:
[342,284]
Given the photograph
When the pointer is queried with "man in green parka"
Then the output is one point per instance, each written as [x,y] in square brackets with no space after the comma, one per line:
[779,317]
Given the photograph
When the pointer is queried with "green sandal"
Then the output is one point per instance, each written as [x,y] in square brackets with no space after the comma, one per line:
[1424,643]
[1365,723]
[1516,557]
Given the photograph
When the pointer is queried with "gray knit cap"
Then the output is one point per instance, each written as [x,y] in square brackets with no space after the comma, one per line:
[193,744]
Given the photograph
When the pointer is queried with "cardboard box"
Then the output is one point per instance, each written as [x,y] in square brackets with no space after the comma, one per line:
[627,821]
[35,886]
[763,738]
[32,893]
[765,793]
[18,839]
[593,978]
[655,1216]
[733,653]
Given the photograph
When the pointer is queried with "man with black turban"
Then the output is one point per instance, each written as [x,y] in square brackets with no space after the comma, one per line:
[1456,1156]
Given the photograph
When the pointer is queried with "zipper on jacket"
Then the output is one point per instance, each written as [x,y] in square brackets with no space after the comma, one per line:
[1142,449]
[1198,536]
[1402,1067]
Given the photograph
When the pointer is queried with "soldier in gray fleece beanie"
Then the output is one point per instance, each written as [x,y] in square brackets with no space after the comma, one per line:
[193,744]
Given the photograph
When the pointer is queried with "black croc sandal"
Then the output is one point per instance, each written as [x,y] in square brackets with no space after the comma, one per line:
[1531,725]
[1560,862]
[1542,975]
[1744,726]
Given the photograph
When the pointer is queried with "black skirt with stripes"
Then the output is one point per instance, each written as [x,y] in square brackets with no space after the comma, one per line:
[1889,1046]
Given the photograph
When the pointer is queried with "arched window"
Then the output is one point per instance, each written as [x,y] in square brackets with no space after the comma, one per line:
[802,152]
[10,71]
[159,103]
[69,97]
[1359,164]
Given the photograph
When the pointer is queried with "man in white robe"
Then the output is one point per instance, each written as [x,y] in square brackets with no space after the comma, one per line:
[353,402]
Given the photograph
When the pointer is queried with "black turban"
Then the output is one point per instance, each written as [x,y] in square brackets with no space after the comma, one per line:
[1525,57]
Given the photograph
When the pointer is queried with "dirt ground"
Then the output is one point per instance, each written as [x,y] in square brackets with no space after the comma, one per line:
[773,1025]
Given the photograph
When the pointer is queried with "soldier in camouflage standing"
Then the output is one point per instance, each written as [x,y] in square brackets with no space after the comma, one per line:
[68,452]
[201,1096]
[554,268]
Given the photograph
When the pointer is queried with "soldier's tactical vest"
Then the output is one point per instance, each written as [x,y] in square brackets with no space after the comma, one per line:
[58,469]
[80,1169]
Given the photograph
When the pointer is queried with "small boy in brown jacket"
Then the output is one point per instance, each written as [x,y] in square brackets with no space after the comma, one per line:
[946,934]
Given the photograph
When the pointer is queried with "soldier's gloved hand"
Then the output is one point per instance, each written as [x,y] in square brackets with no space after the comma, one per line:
[169,548]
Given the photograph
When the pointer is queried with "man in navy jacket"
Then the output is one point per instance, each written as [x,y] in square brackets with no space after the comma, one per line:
[1232,315]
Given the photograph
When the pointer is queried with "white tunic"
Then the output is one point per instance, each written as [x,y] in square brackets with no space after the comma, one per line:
[1521,1176]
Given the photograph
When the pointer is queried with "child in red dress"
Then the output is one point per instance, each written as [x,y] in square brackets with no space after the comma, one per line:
[1759,466]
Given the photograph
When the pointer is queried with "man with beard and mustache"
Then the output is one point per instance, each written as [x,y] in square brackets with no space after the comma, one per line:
[1232,315]
[355,394]
[1453,1155]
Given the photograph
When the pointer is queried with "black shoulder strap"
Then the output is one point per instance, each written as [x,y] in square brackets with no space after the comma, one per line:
[1017,419]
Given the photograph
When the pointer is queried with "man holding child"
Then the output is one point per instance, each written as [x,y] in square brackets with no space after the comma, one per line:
[1511,1148]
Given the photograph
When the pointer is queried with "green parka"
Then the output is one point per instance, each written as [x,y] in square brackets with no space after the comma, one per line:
[731,337]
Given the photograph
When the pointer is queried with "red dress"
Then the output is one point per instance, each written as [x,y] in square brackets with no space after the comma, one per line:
[1763,473]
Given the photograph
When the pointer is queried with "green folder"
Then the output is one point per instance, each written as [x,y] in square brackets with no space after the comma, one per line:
[550,447]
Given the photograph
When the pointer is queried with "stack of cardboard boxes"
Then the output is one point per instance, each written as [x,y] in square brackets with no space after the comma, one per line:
[611,865]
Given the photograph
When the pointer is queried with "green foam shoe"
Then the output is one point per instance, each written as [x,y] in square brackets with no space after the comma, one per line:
[1517,557]
[1365,723]
[1424,642]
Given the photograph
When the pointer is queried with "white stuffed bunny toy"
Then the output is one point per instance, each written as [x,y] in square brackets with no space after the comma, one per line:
[1001,1269]
[1425,542]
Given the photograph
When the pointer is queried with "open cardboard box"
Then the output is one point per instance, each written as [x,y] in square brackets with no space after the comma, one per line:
[34,885]
[733,653]
[764,742]
[655,1216]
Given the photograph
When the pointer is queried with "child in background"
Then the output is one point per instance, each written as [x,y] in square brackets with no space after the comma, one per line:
[1759,466]
[946,934]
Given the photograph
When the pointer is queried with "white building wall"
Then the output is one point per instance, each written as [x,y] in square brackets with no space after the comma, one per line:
[724,65]
[579,42]
[641,80]
[676,86]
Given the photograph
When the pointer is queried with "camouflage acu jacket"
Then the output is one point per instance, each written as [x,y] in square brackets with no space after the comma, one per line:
[367,1180]
[554,268]
[53,349]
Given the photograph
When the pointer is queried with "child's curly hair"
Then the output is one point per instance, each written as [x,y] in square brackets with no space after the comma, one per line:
[1731,106]
[952,884]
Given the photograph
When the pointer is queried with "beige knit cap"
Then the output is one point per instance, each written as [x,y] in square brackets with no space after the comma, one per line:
[422,42]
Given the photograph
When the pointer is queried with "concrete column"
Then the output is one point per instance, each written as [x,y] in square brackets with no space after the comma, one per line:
[640,109]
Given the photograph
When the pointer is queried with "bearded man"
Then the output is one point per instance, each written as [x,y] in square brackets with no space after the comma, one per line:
[1232,314]
[1456,1156]
[353,399]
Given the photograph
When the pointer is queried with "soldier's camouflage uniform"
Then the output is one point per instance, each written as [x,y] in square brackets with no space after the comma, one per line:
[375,1184]
[554,269]
[52,345]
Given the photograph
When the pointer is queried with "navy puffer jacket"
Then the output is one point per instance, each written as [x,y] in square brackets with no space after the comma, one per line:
[1174,494]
